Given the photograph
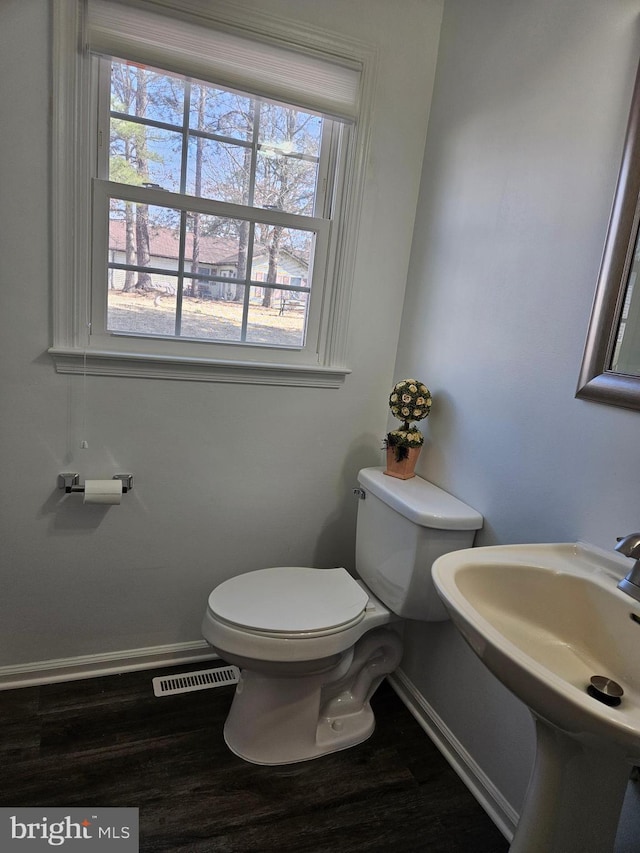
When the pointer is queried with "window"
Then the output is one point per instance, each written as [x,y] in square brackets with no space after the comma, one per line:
[214,180]
[227,188]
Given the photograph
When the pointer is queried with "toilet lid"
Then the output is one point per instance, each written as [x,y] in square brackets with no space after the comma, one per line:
[290,599]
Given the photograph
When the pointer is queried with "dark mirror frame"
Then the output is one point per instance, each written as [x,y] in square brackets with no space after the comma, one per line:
[597,382]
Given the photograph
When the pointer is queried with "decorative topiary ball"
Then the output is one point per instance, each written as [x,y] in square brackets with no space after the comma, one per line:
[410,400]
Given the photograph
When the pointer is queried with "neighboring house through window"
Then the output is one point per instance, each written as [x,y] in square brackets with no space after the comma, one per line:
[215,195]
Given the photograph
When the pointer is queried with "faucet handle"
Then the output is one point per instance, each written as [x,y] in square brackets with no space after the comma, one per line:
[629,545]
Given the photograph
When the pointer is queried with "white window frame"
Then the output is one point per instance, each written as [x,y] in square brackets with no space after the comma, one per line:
[74,142]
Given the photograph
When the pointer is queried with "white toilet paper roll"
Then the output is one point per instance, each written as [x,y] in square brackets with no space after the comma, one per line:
[102,492]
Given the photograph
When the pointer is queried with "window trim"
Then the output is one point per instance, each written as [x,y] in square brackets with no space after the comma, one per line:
[71,206]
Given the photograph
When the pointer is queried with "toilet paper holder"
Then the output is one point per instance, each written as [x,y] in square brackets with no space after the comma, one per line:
[70,482]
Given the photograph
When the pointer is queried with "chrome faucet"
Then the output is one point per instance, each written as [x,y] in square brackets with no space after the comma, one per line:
[630,547]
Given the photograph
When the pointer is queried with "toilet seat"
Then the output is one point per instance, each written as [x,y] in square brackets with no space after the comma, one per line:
[290,602]
[311,620]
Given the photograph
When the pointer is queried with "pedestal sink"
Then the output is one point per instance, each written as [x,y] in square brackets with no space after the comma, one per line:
[545,619]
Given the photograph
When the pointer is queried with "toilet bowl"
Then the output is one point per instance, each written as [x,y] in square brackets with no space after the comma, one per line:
[309,662]
[313,644]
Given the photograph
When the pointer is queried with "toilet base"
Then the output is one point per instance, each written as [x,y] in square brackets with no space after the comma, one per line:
[282,738]
[284,720]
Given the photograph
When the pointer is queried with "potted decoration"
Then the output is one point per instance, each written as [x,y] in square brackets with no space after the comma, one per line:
[409,401]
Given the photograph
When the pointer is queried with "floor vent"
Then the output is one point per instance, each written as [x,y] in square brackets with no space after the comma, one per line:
[185,682]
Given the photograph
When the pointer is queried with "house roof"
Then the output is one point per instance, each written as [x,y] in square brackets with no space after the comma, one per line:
[164,243]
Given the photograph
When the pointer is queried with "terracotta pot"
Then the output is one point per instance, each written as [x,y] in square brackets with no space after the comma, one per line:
[404,469]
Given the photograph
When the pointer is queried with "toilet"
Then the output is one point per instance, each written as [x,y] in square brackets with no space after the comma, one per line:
[313,644]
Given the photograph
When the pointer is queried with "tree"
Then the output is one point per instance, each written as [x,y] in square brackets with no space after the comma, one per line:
[287,182]
[219,170]
[121,158]
[249,117]
[284,171]
[129,164]
[143,254]
[195,255]
[273,247]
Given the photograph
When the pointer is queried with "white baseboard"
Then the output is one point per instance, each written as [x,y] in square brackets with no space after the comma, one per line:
[110,663]
[492,801]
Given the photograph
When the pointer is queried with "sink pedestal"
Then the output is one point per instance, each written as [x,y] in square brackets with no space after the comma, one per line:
[575,795]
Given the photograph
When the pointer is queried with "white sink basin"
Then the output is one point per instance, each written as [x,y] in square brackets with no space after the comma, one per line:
[545,619]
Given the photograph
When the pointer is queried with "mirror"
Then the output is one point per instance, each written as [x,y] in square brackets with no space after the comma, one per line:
[610,370]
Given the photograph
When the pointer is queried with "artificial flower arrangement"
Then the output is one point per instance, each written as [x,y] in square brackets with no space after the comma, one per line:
[409,401]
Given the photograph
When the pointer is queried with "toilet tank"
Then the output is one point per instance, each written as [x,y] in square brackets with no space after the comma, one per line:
[403,526]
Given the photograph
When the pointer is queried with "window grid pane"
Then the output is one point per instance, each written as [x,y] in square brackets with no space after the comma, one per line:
[185,274]
[213,277]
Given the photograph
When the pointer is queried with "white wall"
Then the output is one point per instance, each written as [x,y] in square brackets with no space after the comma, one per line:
[524,143]
[228,478]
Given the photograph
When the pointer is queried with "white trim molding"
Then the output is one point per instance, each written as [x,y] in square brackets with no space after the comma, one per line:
[490,798]
[107,363]
[108,663]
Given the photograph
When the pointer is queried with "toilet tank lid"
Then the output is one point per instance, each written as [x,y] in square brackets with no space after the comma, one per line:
[420,501]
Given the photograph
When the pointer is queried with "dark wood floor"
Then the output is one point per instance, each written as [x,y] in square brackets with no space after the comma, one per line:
[110,742]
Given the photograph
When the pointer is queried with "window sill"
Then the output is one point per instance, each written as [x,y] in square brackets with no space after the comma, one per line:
[136,365]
